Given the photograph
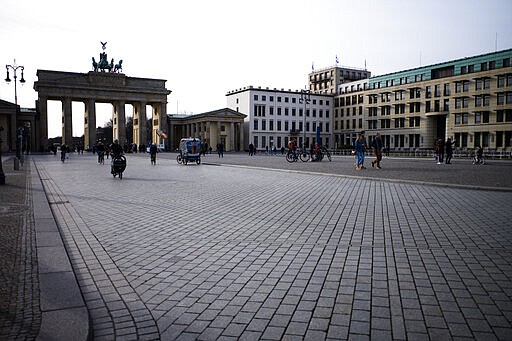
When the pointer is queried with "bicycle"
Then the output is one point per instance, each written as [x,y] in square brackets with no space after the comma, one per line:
[293,156]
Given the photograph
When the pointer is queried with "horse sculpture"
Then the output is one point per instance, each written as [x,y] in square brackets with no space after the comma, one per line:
[119,67]
[94,65]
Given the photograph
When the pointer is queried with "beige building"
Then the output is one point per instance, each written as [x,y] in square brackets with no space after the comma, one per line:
[468,100]
[327,80]
[223,126]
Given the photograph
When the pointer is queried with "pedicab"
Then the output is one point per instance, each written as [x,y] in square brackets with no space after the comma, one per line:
[190,151]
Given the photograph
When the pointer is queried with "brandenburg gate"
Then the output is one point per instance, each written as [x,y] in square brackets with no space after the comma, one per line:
[99,86]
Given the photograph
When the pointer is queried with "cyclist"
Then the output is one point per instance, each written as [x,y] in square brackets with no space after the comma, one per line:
[292,148]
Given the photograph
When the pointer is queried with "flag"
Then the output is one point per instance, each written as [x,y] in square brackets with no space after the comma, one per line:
[161,134]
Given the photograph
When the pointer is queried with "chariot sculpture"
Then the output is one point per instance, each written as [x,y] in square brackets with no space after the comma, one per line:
[103,64]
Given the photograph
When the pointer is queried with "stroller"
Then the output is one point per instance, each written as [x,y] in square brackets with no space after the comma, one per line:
[118,165]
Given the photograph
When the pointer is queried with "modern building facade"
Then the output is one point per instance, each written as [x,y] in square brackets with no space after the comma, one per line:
[468,100]
[275,116]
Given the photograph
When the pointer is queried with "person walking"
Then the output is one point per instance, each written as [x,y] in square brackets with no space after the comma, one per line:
[377,151]
[448,146]
[359,149]
[439,148]
[220,149]
[251,149]
[152,151]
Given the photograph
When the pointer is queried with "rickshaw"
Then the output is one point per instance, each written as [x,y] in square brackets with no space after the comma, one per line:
[190,151]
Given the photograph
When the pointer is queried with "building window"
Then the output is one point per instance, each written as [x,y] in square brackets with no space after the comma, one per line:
[263,97]
[285,111]
[279,111]
[255,97]
[271,98]
[465,86]
[501,98]
[501,81]
[294,100]
[271,110]
[271,125]
[256,141]
[478,84]
[447,89]
[255,124]
[487,83]
[263,124]
[278,125]
[286,100]
[279,98]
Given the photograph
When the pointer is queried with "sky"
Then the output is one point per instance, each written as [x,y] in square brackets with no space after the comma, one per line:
[205,48]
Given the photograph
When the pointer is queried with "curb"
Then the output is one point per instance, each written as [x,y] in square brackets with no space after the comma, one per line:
[64,315]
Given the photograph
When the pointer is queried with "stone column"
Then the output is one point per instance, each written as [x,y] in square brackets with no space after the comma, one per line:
[154,127]
[241,138]
[162,117]
[208,133]
[119,122]
[231,137]
[42,139]
[90,123]
[139,116]
[67,122]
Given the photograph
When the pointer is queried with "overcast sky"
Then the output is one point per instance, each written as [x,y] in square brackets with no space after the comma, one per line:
[205,48]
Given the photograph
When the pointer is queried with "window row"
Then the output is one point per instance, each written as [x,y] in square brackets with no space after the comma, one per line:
[483,117]
[261,111]
[289,126]
[438,90]
[288,99]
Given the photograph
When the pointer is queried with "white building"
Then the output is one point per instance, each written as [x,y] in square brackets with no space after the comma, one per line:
[274,116]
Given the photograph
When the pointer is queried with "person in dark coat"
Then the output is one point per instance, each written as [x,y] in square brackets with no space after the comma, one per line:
[448,147]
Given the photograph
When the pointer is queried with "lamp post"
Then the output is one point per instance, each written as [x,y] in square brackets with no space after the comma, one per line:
[2,175]
[305,97]
[14,68]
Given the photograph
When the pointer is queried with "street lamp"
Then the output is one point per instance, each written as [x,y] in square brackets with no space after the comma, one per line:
[2,175]
[305,97]
[14,68]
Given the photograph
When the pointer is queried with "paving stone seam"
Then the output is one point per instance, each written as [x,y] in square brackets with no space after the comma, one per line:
[82,245]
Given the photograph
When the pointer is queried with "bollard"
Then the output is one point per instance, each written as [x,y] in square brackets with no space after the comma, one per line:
[16,163]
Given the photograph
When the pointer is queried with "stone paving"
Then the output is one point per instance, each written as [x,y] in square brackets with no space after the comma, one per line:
[207,252]
[20,314]
[226,253]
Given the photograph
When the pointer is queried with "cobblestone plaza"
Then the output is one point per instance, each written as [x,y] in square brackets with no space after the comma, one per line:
[225,251]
